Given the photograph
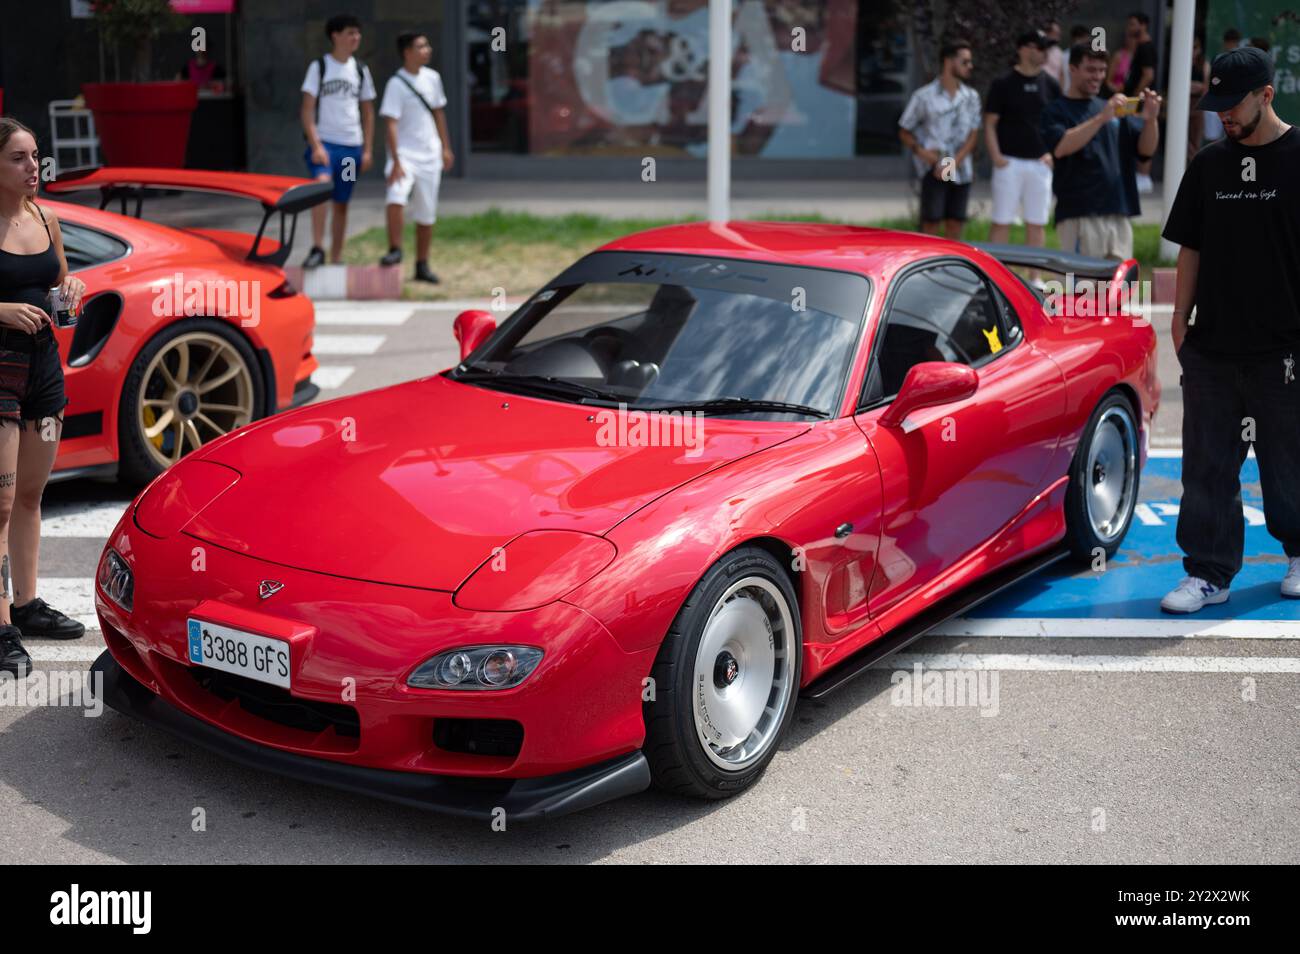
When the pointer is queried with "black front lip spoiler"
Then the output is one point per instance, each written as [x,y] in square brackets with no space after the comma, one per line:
[482,799]
[304,391]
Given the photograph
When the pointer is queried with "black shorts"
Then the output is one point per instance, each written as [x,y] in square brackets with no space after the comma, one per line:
[942,200]
[31,376]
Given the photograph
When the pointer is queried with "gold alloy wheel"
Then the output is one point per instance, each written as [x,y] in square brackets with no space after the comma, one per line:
[195,389]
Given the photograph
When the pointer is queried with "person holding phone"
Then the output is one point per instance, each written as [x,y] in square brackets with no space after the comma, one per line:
[1096,151]
[32,398]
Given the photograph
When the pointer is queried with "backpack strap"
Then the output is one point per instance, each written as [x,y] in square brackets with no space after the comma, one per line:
[320,88]
[418,94]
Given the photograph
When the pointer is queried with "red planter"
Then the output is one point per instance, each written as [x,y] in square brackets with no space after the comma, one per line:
[142,124]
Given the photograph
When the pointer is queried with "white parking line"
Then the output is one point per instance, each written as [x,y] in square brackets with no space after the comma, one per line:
[95,521]
[368,317]
[1177,452]
[50,653]
[1083,628]
[347,344]
[1031,662]
[329,376]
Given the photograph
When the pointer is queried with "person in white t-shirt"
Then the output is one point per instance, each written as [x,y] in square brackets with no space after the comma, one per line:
[415,123]
[338,119]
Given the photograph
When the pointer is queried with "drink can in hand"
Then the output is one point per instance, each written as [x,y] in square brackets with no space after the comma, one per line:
[65,316]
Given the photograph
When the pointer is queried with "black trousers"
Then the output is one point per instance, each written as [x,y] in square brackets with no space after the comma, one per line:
[1222,399]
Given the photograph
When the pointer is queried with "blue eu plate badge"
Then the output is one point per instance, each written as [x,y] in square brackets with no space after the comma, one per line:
[196,641]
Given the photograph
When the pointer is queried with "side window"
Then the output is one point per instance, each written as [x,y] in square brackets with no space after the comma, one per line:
[85,247]
[1013,330]
[942,313]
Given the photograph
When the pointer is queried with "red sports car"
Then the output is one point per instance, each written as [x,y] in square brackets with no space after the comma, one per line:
[703,470]
[184,334]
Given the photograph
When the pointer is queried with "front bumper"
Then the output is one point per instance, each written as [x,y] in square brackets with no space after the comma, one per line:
[578,718]
[478,798]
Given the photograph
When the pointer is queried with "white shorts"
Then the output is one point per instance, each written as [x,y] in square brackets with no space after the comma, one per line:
[417,189]
[1022,183]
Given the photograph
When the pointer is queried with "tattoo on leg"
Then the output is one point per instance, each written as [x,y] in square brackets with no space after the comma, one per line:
[4,576]
[7,480]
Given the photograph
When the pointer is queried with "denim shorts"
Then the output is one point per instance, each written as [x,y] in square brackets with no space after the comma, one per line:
[31,376]
[336,153]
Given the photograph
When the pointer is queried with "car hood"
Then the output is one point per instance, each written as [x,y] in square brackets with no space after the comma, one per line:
[416,484]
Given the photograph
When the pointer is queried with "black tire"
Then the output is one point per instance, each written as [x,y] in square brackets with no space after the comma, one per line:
[673,747]
[1080,534]
[136,465]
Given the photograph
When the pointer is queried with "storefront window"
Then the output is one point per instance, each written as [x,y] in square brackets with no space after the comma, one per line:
[810,78]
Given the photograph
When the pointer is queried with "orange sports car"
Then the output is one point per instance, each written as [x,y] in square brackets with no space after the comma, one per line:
[184,334]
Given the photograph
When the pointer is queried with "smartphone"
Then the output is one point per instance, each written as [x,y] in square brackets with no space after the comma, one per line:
[1132,106]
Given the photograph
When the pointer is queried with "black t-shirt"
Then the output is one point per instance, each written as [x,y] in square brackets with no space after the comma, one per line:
[1099,179]
[1018,100]
[1248,233]
[1143,56]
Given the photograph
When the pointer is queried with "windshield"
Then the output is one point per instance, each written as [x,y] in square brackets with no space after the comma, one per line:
[656,330]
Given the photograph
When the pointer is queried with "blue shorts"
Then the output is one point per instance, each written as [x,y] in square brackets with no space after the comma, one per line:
[337,153]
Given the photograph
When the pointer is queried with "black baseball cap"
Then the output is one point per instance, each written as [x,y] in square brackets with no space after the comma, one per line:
[1233,74]
[1033,38]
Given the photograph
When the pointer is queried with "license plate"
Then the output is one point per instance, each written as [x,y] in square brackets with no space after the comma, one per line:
[235,651]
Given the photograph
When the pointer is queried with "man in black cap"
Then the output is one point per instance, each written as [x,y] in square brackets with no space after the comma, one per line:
[1237,218]
[1022,163]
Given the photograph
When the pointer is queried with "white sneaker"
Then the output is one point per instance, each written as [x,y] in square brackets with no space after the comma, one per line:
[1145,185]
[1193,593]
[1291,582]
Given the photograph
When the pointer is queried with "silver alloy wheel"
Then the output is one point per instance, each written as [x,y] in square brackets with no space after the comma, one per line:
[1110,479]
[742,684]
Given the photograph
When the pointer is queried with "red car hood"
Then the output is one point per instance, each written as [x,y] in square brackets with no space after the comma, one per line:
[417,483]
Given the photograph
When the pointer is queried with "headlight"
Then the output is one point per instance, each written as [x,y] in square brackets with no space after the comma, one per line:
[534,569]
[115,579]
[477,667]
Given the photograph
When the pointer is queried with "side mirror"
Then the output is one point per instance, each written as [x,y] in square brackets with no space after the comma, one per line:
[472,328]
[929,384]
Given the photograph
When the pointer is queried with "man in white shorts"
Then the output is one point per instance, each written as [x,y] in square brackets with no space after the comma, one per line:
[416,130]
[1022,163]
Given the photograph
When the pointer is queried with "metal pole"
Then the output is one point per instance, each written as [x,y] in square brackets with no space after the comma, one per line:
[719,161]
[1178,109]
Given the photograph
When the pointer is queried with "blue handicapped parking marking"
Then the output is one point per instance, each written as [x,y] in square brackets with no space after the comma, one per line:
[1149,564]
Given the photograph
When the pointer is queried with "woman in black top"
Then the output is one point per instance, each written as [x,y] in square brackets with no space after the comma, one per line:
[31,390]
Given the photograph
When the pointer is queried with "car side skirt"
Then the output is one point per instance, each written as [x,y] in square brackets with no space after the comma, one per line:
[960,602]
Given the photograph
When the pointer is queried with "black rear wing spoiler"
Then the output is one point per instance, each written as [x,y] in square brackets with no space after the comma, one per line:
[1063,263]
[283,195]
